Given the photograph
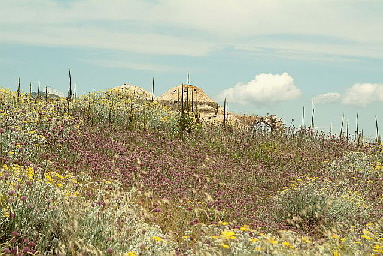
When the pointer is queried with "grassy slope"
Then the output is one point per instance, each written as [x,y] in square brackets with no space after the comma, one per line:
[125,159]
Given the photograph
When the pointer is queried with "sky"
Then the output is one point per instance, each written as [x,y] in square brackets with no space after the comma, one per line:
[263,56]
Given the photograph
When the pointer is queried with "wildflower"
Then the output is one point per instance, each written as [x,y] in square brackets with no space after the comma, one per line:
[131,253]
[272,241]
[49,178]
[244,227]
[11,192]
[335,253]
[227,234]
[226,246]
[23,198]
[378,249]
[366,237]
[335,236]
[5,213]
[158,239]
[185,237]
[288,245]
[253,240]
[109,250]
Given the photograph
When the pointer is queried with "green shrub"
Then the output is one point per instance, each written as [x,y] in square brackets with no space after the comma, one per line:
[320,204]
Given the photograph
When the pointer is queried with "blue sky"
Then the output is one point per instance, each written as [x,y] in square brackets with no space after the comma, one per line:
[264,56]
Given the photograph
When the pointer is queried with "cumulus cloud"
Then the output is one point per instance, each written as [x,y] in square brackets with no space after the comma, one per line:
[329,97]
[264,89]
[362,94]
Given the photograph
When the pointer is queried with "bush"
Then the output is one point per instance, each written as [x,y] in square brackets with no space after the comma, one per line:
[320,204]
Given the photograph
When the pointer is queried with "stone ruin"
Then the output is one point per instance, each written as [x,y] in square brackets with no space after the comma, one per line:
[195,100]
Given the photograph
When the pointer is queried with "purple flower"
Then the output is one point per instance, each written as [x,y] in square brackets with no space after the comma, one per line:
[157,210]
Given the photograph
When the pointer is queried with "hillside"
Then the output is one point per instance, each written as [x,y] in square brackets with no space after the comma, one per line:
[119,174]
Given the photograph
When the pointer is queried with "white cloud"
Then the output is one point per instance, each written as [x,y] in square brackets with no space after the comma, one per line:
[134,65]
[161,27]
[264,89]
[362,94]
[327,98]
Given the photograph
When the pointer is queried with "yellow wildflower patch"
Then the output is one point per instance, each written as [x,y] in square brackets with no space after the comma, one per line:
[288,245]
[131,253]
[158,239]
[228,234]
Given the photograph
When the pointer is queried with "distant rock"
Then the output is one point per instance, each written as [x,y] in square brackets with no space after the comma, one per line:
[42,95]
[133,90]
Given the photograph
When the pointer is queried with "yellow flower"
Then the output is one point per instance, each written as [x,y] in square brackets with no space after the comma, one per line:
[158,239]
[223,223]
[227,234]
[58,175]
[131,253]
[5,213]
[244,227]
[335,236]
[335,253]
[30,173]
[48,177]
[272,241]
[253,240]
[288,245]
[225,246]
[185,237]
[366,237]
